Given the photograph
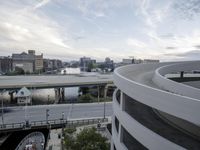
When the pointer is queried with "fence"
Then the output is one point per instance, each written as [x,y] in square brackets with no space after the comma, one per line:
[53,124]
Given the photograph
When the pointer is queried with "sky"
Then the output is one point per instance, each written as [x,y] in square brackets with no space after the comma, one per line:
[168,30]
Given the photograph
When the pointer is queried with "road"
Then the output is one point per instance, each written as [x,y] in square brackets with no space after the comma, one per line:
[71,111]
[17,82]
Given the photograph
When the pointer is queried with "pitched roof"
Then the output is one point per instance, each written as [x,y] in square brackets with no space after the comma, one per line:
[23,92]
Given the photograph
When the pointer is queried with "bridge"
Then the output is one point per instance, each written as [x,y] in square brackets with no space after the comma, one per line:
[53,81]
[56,111]
[58,82]
[61,115]
[18,135]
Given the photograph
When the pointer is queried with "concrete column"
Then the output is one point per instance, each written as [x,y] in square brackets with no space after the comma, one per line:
[120,135]
[181,74]
[113,130]
[57,95]
[105,91]
[11,93]
[122,101]
[111,145]
[62,94]
[101,90]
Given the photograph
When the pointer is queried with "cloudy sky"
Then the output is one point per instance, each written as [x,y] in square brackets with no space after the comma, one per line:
[68,29]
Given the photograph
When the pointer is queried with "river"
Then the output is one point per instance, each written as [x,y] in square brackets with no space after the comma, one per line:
[48,95]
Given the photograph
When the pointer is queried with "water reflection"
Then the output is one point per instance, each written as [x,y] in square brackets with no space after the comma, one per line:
[48,95]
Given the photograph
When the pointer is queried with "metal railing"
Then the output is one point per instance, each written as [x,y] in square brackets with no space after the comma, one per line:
[57,123]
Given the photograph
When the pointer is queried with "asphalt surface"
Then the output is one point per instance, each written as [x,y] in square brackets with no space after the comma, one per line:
[71,111]
[16,82]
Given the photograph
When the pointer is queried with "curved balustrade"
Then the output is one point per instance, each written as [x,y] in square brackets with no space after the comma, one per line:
[146,84]
[144,90]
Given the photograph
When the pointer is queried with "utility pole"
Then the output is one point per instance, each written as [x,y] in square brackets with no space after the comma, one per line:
[31,94]
[104,108]
[62,123]
[62,134]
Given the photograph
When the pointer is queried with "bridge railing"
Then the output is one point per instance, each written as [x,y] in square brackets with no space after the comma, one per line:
[57,123]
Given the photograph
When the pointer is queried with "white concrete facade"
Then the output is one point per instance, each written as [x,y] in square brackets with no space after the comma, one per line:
[146,84]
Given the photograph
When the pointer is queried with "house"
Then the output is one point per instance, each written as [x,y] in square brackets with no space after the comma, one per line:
[23,96]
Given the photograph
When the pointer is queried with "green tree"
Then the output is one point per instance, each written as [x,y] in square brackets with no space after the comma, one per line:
[84,90]
[87,139]
[91,66]
[87,98]
[69,139]
[19,71]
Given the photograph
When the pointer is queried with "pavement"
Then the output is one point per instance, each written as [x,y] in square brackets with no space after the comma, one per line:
[70,111]
[54,142]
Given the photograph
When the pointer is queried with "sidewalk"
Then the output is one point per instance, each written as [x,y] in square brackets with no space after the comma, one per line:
[54,142]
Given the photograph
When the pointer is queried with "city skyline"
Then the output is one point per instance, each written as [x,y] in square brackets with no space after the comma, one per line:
[70,29]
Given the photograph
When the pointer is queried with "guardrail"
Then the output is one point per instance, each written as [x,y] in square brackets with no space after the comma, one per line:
[57,123]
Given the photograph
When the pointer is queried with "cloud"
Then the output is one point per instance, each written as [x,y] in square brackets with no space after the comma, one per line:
[25,28]
[187,9]
[41,4]
[197,46]
[189,55]
[192,53]
[170,47]
[95,28]
[152,14]
[136,43]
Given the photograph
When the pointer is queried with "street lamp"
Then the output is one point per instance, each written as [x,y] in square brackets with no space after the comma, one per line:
[62,119]
[63,115]
[98,93]
[104,108]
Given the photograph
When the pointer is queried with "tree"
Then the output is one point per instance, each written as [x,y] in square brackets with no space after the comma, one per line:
[87,98]
[91,66]
[19,71]
[69,139]
[87,139]
[84,90]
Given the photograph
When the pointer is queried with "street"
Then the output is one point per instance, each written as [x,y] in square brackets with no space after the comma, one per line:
[57,111]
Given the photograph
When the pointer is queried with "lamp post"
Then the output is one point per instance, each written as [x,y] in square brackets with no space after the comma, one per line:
[62,134]
[104,108]
[62,122]
[63,115]
[98,93]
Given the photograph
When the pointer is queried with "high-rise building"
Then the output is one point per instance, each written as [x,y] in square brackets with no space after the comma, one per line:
[5,64]
[52,64]
[24,61]
[29,62]
[151,61]
[127,61]
[85,63]
[109,63]
[39,65]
